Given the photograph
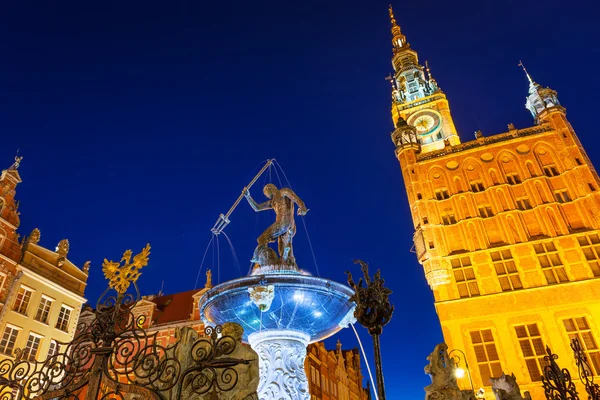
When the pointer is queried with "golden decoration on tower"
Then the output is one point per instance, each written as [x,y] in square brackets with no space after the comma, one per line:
[121,276]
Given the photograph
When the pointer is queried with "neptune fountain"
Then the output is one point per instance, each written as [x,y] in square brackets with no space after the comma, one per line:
[281,307]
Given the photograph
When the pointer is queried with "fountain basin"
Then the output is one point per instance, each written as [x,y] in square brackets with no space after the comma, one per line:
[303,303]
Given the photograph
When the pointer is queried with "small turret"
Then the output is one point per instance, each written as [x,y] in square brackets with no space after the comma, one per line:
[540,100]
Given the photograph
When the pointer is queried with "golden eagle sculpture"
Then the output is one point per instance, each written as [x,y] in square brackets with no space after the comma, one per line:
[120,276]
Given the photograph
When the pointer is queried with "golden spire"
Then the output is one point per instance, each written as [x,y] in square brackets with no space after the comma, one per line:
[395,27]
[398,39]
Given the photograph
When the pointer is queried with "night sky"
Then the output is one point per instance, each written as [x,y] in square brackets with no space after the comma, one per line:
[142,122]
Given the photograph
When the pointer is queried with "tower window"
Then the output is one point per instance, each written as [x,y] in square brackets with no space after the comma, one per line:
[592,188]
[523,203]
[419,196]
[578,161]
[486,354]
[464,276]
[425,220]
[590,245]
[513,179]
[431,245]
[506,270]
[477,186]
[532,347]
[578,328]
[562,196]
[485,211]
[442,194]
[550,170]
[448,219]
[551,263]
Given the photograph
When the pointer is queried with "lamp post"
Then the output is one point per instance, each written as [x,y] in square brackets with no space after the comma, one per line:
[373,311]
[459,372]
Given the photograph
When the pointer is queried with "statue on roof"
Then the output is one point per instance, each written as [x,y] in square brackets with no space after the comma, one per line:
[282,230]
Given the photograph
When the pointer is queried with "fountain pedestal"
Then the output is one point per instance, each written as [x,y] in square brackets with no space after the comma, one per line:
[282,353]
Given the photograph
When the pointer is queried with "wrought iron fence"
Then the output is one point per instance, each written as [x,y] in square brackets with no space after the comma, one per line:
[557,382]
[112,357]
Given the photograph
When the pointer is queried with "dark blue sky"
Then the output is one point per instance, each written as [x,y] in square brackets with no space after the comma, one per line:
[142,121]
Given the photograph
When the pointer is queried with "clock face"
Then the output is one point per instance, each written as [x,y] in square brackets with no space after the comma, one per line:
[426,122]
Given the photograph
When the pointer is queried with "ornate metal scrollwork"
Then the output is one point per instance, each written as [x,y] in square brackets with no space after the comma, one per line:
[585,371]
[113,357]
[557,382]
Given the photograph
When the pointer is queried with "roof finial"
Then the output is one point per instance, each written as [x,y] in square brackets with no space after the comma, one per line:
[526,73]
[392,18]
[429,76]
[17,161]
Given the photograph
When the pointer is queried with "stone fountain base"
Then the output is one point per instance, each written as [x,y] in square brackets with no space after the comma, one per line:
[282,353]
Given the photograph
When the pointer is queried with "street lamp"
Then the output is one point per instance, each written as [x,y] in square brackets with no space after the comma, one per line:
[373,311]
[459,372]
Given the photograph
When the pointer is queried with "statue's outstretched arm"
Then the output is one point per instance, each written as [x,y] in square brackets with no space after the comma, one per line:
[289,193]
[255,206]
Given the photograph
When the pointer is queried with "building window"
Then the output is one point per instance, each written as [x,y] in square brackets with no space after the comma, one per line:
[53,350]
[32,346]
[590,245]
[592,188]
[7,344]
[506,270]
[578,328]
[425,221]
[22,300]
[485,211]
[442,194]
[550,262]
[477,186]
[523,203]
[44,309]
[419,196]
[486,355]
[63,318]
[562,196]
[532,348]
[578,160]
[550,170]
[324,384]
[465,277]
[448,219]
[513,179]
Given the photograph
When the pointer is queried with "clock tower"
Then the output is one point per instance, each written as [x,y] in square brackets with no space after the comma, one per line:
[417,98]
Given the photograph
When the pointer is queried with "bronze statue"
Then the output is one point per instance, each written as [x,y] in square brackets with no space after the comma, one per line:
[283,229]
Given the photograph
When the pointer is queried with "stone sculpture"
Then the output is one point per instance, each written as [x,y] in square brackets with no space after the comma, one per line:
[247,374]
[282,230]
[441,370]
[505,387]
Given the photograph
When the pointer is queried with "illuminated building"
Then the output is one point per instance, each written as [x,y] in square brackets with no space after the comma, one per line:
[41,291]
[332,375]
[507,228]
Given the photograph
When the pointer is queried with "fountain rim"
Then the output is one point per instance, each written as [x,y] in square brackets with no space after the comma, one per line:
[272,279]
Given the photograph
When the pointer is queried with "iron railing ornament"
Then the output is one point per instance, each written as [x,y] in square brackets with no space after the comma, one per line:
[113,355]
[586,374]
[557,382]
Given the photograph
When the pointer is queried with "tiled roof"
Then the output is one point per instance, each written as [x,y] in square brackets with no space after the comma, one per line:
[173,307]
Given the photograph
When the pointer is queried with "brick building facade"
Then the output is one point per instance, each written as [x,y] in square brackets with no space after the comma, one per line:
[507,228]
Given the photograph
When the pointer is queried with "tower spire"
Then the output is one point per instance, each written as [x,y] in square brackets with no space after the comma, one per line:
[540,99]
[398,39]
[531,82]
